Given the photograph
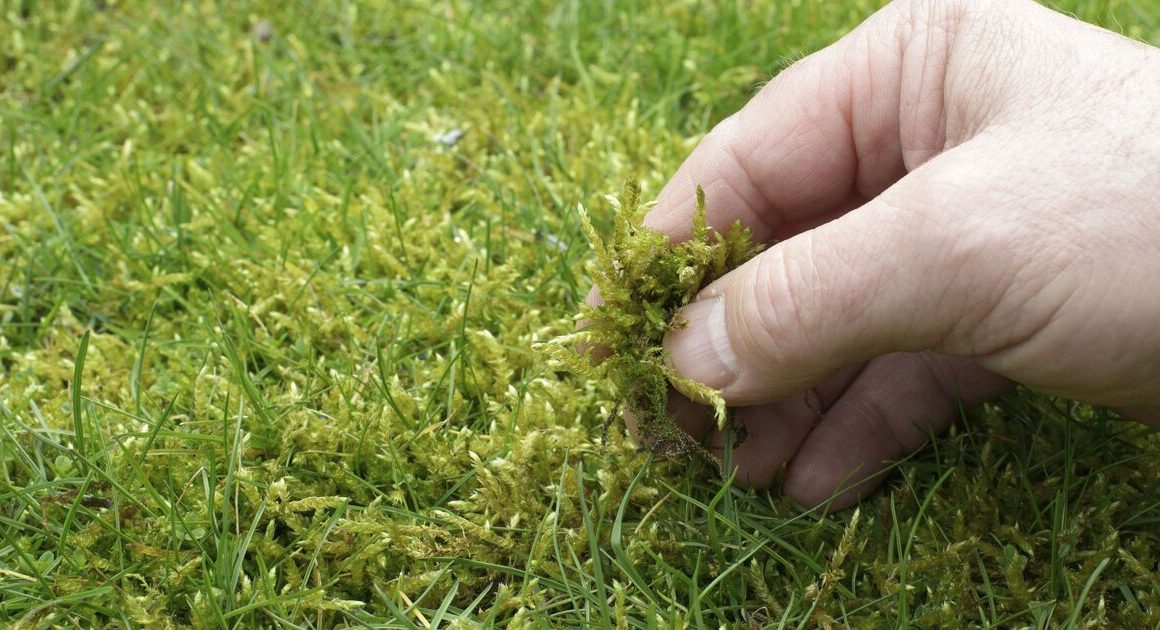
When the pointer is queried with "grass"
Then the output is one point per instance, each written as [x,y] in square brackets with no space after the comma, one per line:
[268,346]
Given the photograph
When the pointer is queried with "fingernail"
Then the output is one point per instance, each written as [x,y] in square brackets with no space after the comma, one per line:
[700,351]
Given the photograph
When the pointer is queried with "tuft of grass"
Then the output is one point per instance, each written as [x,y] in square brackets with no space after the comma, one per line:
[268,341]
[644,280]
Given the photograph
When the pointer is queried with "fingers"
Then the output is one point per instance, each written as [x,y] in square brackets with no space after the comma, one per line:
[873,415]
[1150,416]
[893,407]
[788,155]
[887,277]
[765,437]
[816,142]
[828,133]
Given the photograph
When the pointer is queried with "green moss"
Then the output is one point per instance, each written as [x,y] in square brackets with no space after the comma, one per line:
[644,279]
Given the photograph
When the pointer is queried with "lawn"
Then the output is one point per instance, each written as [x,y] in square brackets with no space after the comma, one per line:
[275,280]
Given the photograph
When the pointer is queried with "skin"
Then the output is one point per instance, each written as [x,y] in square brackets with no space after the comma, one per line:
[963,195]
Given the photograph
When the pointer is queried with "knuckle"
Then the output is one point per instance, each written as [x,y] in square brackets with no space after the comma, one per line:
[770,317]
[792,67]
[920,376]
[811,78]
[881,425]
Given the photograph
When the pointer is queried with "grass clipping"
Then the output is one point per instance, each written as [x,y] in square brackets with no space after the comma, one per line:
[644,280]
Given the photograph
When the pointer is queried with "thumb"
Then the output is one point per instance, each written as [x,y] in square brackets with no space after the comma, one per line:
[892,275]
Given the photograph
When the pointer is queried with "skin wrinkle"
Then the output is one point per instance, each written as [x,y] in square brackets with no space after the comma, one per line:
[763,226]
[1068,233]
[855,306]
[815,167]
[761,329]
[768,297]
[980,82]
[1088,124]
[921,103]
[1136,240]
[896,434]
[914,335]
[990,300]
[767,226]
[955,253]
[910,230]
[948,293]
[876,414]
[809,116]
[947,382]
[952,25]
[796,280]
[976,316]
[995,358]
[1108,85]
[878,137]
[853,297]
[846,109]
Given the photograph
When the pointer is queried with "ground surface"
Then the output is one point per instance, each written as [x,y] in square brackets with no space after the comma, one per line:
[268,345]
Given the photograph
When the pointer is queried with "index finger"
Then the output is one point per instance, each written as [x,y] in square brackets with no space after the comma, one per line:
[818,140]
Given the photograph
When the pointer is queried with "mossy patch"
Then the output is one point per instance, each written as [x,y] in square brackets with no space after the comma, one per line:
[644,279]
[311,396]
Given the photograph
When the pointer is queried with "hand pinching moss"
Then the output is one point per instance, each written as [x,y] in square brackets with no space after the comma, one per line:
[644,280]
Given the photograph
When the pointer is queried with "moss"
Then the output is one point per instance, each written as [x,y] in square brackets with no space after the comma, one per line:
[311,394]
[644,280]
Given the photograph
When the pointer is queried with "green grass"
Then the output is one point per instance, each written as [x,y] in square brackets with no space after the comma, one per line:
[268,350]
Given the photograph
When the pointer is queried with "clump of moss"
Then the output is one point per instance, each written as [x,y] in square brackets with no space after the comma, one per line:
[644,279]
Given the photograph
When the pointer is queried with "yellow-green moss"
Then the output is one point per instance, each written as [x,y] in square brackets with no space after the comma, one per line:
[312,395]
[644,279]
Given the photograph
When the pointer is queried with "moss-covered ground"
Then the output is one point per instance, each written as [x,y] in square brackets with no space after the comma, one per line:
[272,281]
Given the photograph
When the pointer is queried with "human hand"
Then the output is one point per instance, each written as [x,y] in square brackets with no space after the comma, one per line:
[968,194]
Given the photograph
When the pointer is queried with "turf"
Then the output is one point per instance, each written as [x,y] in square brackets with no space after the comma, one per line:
[274,280]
